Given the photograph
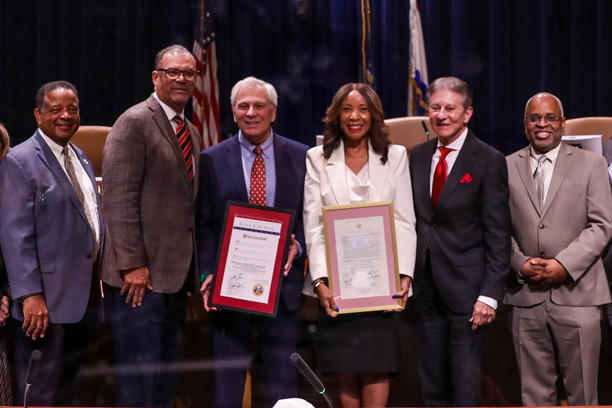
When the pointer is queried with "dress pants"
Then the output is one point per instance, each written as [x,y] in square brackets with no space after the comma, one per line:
[450,352]
[547,333]
[62,351]
[147,341]
[232,338]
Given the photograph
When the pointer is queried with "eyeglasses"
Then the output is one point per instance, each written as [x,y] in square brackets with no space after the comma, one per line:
[550,119]
[174,74]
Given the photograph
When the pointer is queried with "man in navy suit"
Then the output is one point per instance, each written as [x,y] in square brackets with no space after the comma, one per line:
[51,233]
[226,174]
[461,193]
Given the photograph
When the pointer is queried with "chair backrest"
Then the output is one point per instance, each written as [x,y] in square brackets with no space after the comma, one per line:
[409,131]
[590,126]
[91,139]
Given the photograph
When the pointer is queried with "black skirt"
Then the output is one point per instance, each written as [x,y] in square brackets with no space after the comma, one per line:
[359,342]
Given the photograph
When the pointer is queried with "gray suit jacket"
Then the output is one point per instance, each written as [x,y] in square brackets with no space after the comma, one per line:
[573,227]
[46,238]
[148,199]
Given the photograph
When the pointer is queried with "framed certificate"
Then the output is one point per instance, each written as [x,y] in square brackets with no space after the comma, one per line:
[253,250]
[362,256]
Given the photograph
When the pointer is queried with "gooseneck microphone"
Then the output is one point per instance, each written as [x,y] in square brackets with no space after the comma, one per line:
[425,128]
[31,374]
[310,376]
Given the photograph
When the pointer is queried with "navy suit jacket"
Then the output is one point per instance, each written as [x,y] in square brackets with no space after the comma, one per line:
[468,233]
[222,179]
[45,236]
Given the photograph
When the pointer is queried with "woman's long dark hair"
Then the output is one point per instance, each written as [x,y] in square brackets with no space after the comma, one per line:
[378,134]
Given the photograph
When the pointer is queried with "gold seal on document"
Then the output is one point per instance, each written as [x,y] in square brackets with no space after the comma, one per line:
[258,290]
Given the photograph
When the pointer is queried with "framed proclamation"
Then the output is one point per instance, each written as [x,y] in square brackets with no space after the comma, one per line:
[362,256]
[252,252]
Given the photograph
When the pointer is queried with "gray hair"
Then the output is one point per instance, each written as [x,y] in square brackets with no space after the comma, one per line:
[252,81]
[453,84]
[546,94]
[173,49]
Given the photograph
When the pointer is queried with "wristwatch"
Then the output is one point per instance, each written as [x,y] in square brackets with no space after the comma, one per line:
[317,282]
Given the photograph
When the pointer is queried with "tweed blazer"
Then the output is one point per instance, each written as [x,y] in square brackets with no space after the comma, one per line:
[573,227]
[148,199]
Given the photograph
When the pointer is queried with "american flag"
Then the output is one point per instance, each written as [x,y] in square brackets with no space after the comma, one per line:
[206,97]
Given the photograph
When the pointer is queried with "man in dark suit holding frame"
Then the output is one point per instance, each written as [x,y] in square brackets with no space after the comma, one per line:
[460,188]
[232,170]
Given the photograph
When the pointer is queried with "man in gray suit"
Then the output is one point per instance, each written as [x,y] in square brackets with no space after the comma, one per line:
[150,181]
[561,217]
[51,232]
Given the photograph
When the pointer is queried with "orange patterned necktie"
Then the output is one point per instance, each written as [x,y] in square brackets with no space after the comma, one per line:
[258,179]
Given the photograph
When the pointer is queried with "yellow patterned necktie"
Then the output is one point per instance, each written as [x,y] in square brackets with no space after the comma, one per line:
[77,188]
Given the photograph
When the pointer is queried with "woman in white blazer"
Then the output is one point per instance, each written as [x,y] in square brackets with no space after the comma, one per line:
[357,163]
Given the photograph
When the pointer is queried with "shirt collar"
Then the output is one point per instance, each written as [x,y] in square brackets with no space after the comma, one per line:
[170,113]
[56,148]
[265,146]
[458,143]
[551,154]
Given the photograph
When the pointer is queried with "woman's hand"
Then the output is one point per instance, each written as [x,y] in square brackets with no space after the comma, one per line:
[326,298]
[403,293]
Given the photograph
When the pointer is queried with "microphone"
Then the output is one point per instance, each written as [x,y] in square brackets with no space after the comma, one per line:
[312,378]
[425,128]
[31,374]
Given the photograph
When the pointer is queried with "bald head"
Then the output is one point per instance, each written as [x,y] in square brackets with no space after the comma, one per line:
[542,95]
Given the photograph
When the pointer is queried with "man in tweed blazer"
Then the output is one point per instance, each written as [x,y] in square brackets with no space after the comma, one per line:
[150,180]
[561,221]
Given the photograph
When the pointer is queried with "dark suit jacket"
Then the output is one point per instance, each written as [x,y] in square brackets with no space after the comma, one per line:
[222,179]
[149,202]
[45,236]
[468,234]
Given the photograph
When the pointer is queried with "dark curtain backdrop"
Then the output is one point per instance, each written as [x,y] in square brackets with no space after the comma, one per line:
[509,50]
[306,48]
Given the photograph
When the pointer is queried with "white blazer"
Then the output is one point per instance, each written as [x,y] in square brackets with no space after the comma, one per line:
[326,184]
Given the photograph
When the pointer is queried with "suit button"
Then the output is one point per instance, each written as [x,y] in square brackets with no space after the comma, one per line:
[541,226]
[542,254]
[433,226]
[88,256]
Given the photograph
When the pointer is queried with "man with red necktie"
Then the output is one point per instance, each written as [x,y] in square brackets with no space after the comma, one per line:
[261,167]
[460,188]
[150,184]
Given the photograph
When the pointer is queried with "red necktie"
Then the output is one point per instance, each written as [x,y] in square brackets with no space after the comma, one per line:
[182,132]
[258,179]
[439,176]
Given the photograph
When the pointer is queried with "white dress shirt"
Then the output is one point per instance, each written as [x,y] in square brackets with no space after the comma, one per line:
[548,165]
[451,157]
[170,113]
[85,182]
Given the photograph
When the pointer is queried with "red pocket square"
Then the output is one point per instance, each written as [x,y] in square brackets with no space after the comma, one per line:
[467,178]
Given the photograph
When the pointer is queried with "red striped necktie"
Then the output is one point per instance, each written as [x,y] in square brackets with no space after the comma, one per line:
[182,132]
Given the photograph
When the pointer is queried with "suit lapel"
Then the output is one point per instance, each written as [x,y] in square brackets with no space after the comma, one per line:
[378,176]
[233,160]
[465,159]
[160,118]
[524,169]
[47,156]
[564,161]
[422,169]
[335,168]
[284,172]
